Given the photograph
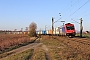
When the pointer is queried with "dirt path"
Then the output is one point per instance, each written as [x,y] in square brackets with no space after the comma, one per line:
[34,45]
[21,49]
[44,47]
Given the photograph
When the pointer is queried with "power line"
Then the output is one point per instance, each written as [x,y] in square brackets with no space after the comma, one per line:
[57,20]
[79,8]
[71,6]
[67,6]
[85,13]
[75,21]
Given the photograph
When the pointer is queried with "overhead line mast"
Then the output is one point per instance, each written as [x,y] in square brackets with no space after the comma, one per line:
[52,25]
[81,28]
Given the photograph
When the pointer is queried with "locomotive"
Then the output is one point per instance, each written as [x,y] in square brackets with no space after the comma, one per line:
[68,29]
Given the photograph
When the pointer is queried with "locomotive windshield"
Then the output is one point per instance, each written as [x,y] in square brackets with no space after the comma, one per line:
[70,27]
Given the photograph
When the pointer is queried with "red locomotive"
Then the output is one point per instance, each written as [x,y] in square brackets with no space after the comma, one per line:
[69,29]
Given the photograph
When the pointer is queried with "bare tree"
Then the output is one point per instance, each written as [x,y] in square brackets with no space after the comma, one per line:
[32,29]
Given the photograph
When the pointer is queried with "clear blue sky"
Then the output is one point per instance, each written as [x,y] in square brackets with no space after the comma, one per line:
[17,14]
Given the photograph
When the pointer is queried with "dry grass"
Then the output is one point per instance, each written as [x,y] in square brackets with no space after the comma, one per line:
[63,48]
[22,56]
[9,42]
[39,54]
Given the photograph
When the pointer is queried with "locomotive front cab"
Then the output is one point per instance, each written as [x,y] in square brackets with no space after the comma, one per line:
[70,29]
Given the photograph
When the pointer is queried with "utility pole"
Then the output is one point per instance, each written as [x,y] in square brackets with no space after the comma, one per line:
[45,27]
[59,30]
[81,28]
[26,29]
[52,25]
[21,29]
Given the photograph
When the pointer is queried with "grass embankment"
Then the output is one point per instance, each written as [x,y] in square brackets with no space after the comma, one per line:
[61,51]
[26,55]
[54,47]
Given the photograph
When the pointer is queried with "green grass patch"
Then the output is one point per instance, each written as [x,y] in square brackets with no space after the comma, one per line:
[84,35]
[22,56]
[5,54]
[39,54]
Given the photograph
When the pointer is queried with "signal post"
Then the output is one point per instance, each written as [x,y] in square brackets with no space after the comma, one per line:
[52,25]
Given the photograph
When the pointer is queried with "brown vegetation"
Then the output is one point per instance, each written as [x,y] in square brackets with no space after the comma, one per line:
[7,41]
[59,48]
[64,48]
